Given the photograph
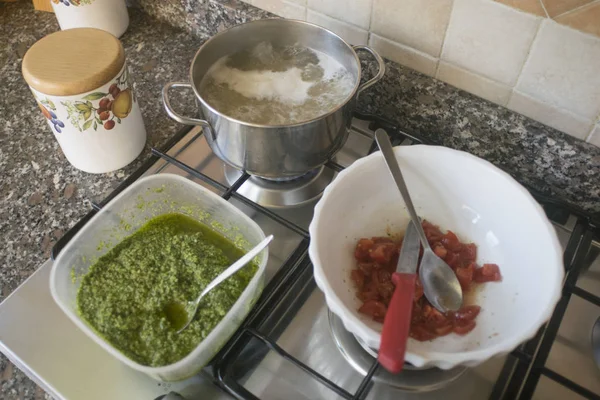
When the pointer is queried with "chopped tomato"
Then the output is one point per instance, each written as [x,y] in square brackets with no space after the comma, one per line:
[469,252]
[440,251]
[465,276]
[464,329]
[467,313]
[451,242]
[369,295]
[444,329]
[358,277]
[487,273]
[418,290]
[382,239]
[363,247]
[367,267]
[376,261]
[373,308]
[421,333]
[382,252]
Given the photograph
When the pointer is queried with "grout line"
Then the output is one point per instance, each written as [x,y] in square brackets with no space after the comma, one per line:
[588,137]
[371,17]
[334,18]
[575,9]
[439,56]
[544,8]
[528,56]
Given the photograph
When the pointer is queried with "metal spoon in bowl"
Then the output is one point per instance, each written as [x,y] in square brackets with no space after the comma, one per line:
[182,315]
[440,284]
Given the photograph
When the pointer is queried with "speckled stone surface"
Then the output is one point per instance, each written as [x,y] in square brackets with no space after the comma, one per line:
[42,195]
[539,157]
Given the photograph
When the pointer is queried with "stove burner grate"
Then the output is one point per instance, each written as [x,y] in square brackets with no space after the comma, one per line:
[411,379]
[283,192]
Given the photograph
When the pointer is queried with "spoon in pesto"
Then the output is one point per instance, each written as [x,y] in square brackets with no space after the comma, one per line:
[182,315]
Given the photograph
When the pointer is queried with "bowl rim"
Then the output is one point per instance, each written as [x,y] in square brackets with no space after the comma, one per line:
[163,370]
[436,358]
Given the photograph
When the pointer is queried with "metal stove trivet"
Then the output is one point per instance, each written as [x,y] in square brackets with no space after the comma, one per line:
[276,309]
[283,193]
[411,379]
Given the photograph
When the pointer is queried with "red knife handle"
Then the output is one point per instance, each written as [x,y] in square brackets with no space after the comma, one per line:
[396,325]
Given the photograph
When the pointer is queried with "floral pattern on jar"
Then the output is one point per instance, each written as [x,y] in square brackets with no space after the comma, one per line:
[75,3]
[49,110]
[100,109]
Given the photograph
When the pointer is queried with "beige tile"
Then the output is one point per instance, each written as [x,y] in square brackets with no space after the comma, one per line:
[530,6]
[489,39]
[420,24]
[350,33]
[299,2]
[404,55]
[557,7]
[562,70]
[282,8]
[585,19]
[547,114]
[357,12]
[594,137]
[473,83]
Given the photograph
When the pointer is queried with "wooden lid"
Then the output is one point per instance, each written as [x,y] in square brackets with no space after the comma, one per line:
[73,61]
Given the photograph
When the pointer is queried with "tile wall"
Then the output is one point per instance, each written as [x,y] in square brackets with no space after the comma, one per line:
[540,58]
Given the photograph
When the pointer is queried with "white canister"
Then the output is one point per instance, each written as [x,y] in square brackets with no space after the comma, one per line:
[81,83]
[108,15]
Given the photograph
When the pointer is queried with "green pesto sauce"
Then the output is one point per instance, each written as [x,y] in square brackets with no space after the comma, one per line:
[170,259]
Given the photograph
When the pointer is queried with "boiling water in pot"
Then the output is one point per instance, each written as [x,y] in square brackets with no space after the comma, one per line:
[276,85]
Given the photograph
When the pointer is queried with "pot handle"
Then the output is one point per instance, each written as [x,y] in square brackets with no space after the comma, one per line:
[180,118]
[380,62]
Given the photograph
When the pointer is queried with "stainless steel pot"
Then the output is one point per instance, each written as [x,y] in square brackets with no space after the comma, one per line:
[272,151]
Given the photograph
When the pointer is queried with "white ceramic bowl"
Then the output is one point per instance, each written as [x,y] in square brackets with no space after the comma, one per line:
[458,192]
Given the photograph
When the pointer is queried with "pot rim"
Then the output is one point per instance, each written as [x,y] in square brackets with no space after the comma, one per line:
[262,126]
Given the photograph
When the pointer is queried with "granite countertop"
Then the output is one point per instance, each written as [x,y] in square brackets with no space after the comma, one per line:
[42,195]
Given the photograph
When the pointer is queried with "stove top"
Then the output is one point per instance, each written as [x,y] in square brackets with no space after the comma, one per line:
[291,346]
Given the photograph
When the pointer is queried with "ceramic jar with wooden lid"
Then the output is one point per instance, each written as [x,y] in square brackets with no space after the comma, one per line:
[108,15]
[82,86]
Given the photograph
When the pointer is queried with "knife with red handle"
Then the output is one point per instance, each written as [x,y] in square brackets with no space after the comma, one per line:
[396,325]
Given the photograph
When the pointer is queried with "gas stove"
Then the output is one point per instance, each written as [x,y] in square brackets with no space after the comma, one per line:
[291,346]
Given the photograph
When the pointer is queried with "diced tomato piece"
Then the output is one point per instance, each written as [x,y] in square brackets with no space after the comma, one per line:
[433,232]
[452,259]
[433,317]
[465,276]
[386,290]
[464,329]
[421,333]
[418,289]
[469,252]
[444,330]
[391,266]
[358,277]
[487,273]
[368,295]
[440,251]
[373,308]
[467,313]
[362,250]
[367,267]
[382,239]
[382,252]
[451,242]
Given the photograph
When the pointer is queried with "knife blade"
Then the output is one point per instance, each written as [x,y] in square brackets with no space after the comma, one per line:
[409,253]
[396,325]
